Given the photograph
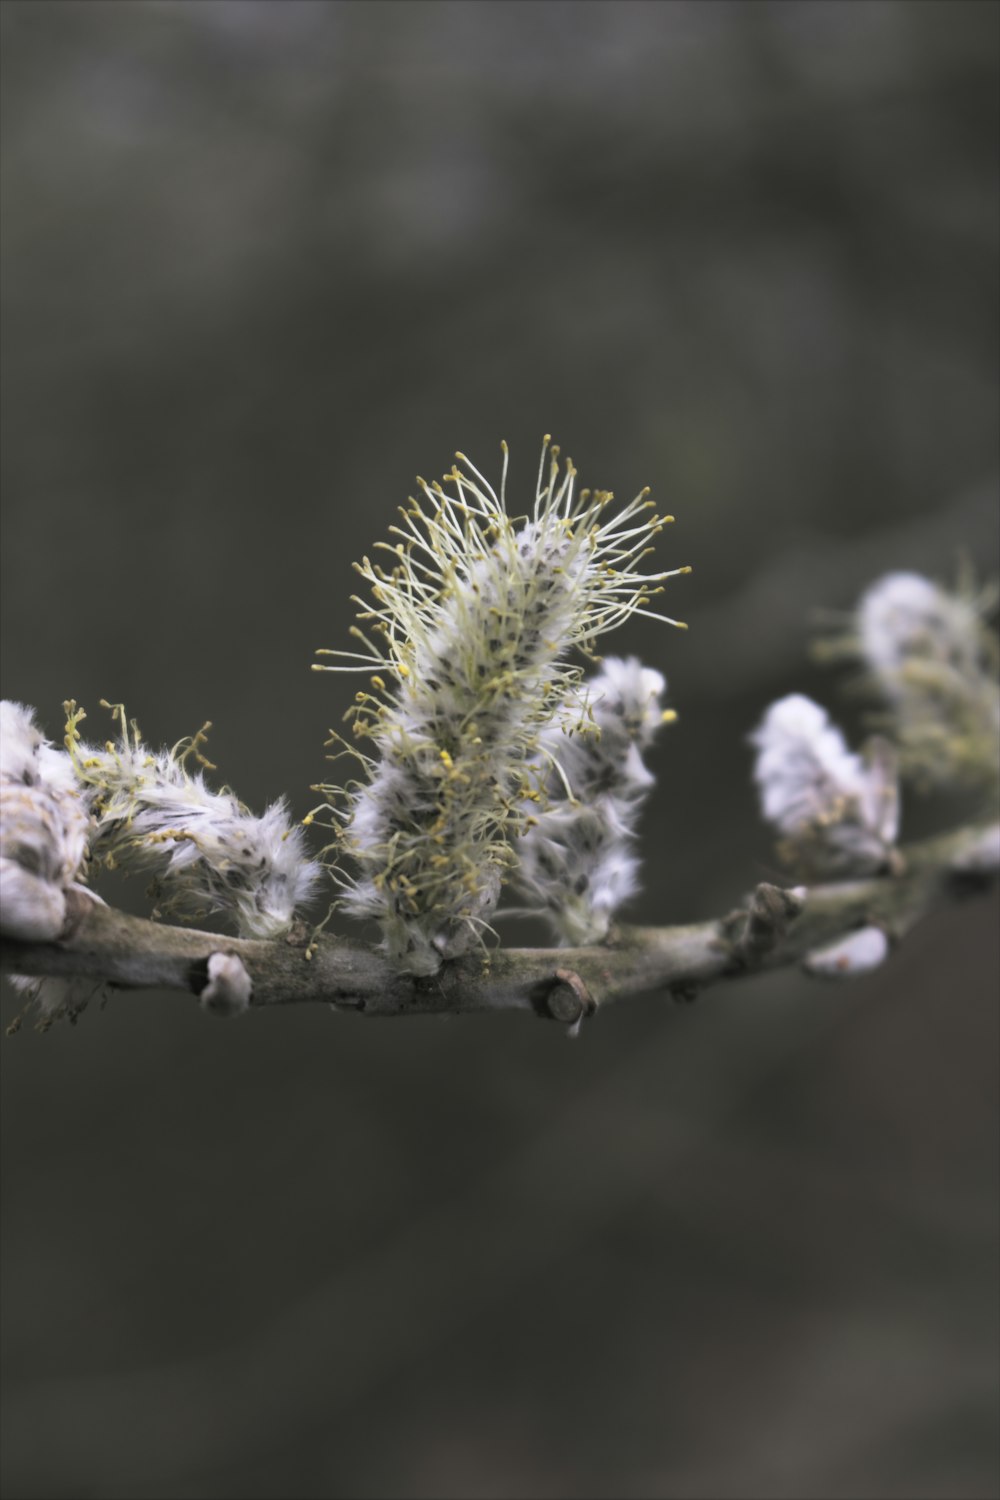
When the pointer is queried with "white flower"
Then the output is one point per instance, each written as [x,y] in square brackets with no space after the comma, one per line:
[207,851]
[838,810]
[576,859]
[476,616]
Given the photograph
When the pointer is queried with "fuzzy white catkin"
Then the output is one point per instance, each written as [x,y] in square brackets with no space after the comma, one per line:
[450,744]
[207,852]
[838,811]
[934,661]
[576,858]
[904,617]
[476,616]
[43,828]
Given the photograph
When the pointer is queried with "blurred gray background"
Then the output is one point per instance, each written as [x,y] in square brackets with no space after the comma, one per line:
[262,263]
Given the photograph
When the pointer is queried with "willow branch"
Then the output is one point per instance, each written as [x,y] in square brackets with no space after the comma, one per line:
[775,928]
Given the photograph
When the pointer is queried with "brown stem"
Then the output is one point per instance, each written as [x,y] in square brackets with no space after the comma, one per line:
[776,928]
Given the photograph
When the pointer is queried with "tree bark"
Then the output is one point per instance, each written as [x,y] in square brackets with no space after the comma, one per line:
[773,929]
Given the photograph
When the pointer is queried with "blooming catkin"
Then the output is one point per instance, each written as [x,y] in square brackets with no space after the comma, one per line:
[576,856]
[476,616]
[935,662]
[838,811]
[207,852]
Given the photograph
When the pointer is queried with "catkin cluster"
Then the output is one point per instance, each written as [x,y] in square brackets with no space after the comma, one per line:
[475,619]
[67,813]
[124,806]
[932,659]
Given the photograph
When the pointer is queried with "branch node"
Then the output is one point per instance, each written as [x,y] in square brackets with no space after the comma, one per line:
[298,934]
[566,998]
[772,911]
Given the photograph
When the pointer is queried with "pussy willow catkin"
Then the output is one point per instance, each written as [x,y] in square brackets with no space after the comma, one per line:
[576,854]
[43,828]
[473,619]
[154,814]
[933,658]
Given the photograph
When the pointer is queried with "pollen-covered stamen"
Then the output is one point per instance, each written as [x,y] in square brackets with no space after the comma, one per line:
[476,614]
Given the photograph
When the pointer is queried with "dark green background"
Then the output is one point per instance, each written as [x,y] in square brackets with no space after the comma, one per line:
[261,264]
